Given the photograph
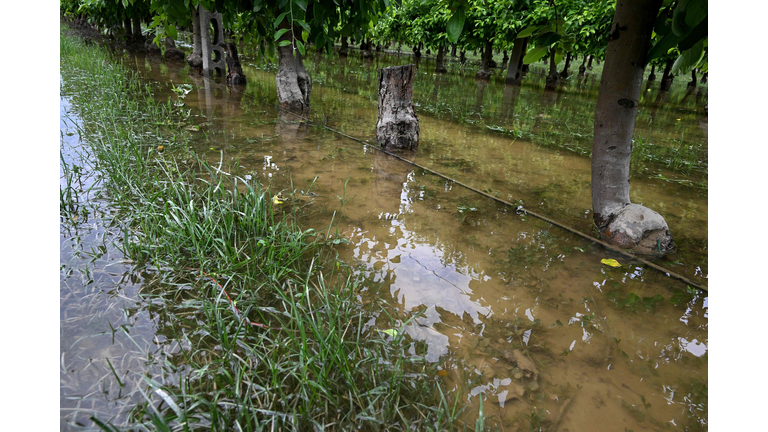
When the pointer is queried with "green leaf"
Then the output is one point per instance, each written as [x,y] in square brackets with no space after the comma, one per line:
[280,33]
[300,47]
[170,30]
[661,28]
[455,25]
[535,55]
[558,57]
[280,18]
[284,43]
[698,33]
[527,32]
[302,4]
[390,332]
[679,26]
[548,39]
[304,36]
[688,59]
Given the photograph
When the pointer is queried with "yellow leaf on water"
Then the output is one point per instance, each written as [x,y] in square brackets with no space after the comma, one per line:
[391,332]
[276,200]
[610,262]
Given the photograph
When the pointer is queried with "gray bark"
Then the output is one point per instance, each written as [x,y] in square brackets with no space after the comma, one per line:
[398,125]
[195,59]
[553,79]
[514,73]
[440,62]
[485,63]
[293,83]
[618,220]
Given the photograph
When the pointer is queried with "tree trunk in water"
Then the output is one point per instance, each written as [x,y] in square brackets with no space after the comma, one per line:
[589,63]
[553,79]
[514,71]
[583,68]
[344,46]
[692,84]
[505,60]
[440,62]
[667,77]
[485,62]
[398,125]
[293,83]
[417,50]
[462,57]
[365,47]
[704,78]
[235,75]
[652,75]
[137,35]
[564,74]
[453,51]
[618,220]
[195,59]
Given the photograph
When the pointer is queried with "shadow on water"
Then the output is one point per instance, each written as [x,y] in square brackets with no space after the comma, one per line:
[513,309]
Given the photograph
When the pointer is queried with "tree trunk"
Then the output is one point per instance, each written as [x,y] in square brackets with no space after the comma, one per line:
[137,35]
[667,77]
[235,75]
[486,53]
[344,46]
[440,62]
[652,75]
[617,219]
[516,62]
[704,78]
[293,83]
[553,79]
[564,74]
[195,59]
[453,50]
[589,63]
[417,50]
[583,68]
[127,26]
[692,84]
[462,57]
[398,125]
[505,60]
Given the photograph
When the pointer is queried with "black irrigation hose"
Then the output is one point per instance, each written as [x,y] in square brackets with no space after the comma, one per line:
[587,237]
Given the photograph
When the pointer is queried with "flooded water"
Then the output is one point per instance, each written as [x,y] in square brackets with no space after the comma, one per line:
[513,310]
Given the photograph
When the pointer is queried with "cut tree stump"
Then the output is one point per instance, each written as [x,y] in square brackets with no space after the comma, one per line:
[398,125]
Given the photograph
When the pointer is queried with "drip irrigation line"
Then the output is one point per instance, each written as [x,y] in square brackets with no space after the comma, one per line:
[587,237]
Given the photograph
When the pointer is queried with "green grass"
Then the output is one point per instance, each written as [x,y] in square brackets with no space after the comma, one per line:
[272,334]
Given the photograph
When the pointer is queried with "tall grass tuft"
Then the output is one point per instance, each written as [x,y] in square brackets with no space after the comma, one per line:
[272,333]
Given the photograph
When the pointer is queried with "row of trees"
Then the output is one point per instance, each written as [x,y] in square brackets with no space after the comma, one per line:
[628,34]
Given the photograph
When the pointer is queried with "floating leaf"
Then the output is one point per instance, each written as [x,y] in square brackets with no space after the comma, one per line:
[391,332]
[442,373]
[610,262]
[276,199]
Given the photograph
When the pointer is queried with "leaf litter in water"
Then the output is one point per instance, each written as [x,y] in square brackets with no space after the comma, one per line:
[610,262]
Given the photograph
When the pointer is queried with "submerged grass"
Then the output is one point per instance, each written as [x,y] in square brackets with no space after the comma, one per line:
[272,333]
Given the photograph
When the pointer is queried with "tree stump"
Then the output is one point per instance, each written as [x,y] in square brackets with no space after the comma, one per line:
[398,125]
[236,75]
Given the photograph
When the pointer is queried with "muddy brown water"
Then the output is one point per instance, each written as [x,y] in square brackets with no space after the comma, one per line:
[513,310]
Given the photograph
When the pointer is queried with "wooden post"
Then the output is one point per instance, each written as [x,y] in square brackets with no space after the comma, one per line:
[398,125]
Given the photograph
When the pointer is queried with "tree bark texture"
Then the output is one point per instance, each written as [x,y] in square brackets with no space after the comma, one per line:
[618,220]
[398,125]
[440,62]
[293,83]
[344,50]
[564,74]
[485,62]
[514,73]
[195,59]
[235,75]
[127,26]
[137,35]
[667,77]
[553,79]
